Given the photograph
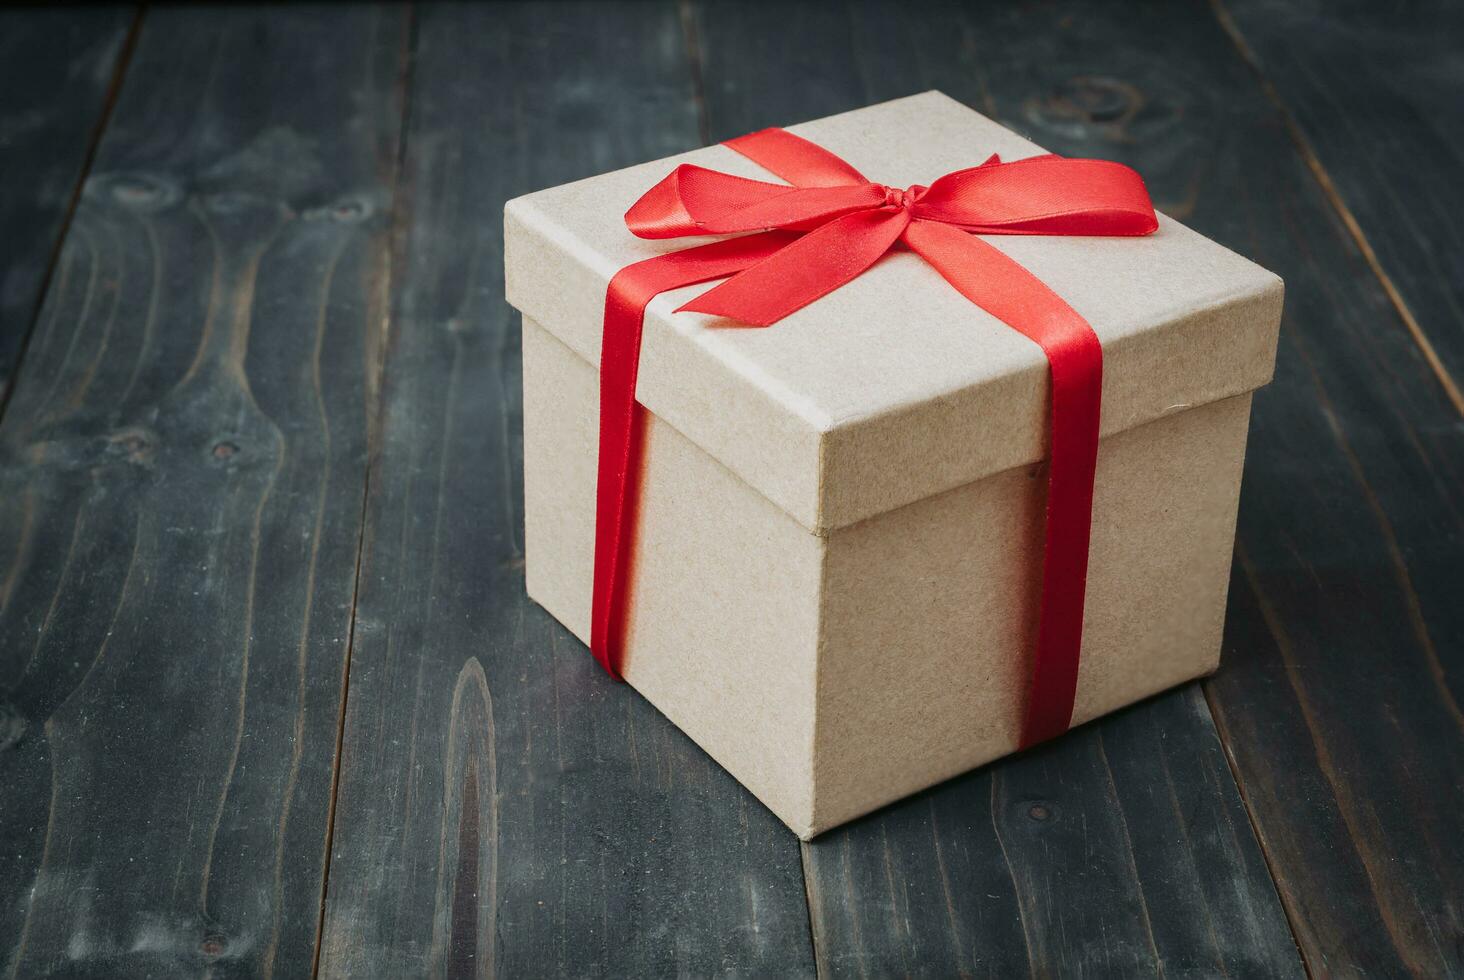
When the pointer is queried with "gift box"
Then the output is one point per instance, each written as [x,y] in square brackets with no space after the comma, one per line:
[833,577]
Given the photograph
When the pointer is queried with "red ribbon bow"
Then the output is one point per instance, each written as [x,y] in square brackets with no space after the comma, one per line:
[813,237]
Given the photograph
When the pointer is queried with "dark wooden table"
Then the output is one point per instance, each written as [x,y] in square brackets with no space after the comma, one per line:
[272,699]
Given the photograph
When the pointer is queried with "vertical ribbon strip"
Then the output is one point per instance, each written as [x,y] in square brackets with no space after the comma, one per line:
[818,234]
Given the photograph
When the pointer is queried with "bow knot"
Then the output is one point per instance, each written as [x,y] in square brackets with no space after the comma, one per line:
[844,222]
[903,200]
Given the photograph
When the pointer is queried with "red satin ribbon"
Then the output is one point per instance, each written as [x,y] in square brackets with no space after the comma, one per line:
[821,232]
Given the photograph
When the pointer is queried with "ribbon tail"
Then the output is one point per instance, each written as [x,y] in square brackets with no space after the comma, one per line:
[618,466]
[812,266]
[1002,287]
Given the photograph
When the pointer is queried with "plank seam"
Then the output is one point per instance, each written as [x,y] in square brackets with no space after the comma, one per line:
[114,89]
[404,83]
[804,856]
[1344,213]
[1217,718]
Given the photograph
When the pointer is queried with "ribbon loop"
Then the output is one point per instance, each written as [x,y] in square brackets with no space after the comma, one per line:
[818,234]
[1046,195]
[696,201]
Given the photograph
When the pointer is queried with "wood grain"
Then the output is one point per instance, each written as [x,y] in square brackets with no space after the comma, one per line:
[181,479]
[504,807]
[56,71]
[1376,95]
[184,458]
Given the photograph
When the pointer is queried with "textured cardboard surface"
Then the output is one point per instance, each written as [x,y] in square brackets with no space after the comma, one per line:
[834,590]
[833,674]
[846,408]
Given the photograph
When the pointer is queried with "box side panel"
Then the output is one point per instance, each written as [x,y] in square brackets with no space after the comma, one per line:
[724,586]
[929,611]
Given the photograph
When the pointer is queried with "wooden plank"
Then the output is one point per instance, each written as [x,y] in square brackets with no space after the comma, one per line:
[504,807]
[57,68]
[181,480]
[1346,638]
[1376,92]
[1124,849]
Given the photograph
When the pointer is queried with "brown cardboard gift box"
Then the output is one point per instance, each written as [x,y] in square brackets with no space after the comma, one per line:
[839,542]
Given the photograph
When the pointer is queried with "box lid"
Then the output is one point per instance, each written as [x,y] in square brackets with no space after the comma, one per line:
[894,387]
